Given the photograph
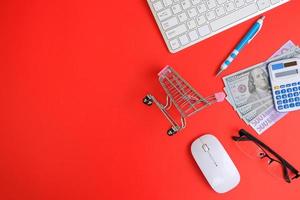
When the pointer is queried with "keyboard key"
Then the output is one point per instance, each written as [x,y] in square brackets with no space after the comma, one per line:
[170,23]
[234,17]
[191,24]
[182,17]
[193,35]
[210,15]
[201,8]
[183,40]
[221,1]
[275,1]
[186,4]
[195,2]
[176,9]
[220,11]
[229,6]
[201,20]
[239,3]
[167,2]
[165,14]
[211,4]
[192,12]
[158,6]
[176,31]
[174,44]
[263,4]
[203,30]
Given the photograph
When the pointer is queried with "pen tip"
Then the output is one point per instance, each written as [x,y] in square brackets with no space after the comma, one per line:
[219,72]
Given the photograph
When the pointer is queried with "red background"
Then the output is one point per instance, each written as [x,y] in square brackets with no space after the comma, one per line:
[73,126]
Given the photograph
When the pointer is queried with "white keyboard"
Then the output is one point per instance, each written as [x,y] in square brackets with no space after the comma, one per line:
[187,22]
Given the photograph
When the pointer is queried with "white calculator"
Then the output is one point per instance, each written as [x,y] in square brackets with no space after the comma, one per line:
[285,82]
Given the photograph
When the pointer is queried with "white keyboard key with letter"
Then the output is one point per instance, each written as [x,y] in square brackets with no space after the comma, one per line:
[187,22]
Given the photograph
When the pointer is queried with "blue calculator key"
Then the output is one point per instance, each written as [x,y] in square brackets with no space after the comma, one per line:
[283,91]
[279,102]
[291,100]
[278,97]
[296,94]
[292,105]
[295,89]
[283,86]
[277,92]
[280,107]
[298,83]
[289,90]
[297,99]
[298,104]
[299,88]
[285,101]
[284,96]
[294,84]
[288,85]
[290,95]
[286,106]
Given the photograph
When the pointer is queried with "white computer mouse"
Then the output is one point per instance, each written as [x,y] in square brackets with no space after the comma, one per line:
[215,163]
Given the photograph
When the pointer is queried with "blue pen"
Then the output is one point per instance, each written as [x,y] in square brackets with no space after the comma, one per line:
[246,40]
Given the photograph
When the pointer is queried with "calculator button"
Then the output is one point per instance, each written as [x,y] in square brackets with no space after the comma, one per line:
[290,95]
[286,106]
[298,83]
[292,105]
[279,102]
[276,88]
[283,86]
[289,90]
[295,89]
[291,100]
[284,96]
[285,101]
[277,92]
[278,97]
[280,107]
[294,84]
[288,85]
[283,91]
[296,94]
[298,104]
[297,99]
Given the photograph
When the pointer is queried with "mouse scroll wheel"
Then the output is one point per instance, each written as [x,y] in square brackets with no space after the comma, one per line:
[205,147]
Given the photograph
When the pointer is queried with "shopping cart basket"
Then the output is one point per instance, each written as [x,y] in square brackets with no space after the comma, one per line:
[183,96]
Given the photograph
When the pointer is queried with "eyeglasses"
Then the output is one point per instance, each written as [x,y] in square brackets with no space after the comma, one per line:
[276,164]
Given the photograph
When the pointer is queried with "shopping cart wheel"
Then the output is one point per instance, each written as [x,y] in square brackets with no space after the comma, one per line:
[148,100]
[171,131]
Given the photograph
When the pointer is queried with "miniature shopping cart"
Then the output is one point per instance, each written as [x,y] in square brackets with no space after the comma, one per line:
[183,96]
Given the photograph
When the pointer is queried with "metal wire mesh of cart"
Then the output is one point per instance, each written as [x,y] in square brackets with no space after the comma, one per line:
[184,97]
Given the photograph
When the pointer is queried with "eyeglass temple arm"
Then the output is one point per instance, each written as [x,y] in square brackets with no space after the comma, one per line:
[242,133]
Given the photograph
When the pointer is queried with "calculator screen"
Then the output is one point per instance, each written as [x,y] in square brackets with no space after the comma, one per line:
[286,73]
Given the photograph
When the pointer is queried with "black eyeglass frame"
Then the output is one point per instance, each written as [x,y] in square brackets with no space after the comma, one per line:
[285,164]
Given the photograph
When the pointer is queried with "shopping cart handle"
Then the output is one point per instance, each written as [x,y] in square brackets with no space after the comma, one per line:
[220,96]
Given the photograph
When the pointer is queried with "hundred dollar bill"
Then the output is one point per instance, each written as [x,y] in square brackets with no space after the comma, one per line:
[252,106]
[252,84]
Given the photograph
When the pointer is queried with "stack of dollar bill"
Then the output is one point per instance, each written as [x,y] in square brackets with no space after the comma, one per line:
[249,91]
